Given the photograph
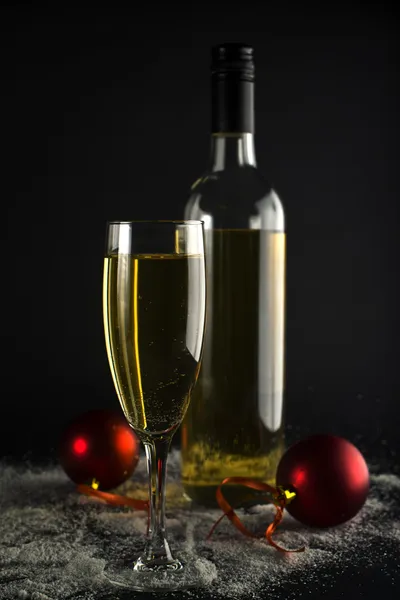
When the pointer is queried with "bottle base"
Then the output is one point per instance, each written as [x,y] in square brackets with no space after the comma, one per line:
[236,495]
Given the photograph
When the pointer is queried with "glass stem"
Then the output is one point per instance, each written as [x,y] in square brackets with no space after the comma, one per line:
[157,547]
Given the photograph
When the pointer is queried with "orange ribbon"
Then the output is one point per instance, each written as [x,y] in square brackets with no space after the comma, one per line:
[280,498]
[114,499]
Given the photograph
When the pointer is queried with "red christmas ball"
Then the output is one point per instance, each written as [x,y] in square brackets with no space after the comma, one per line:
[330,478]
[99,449]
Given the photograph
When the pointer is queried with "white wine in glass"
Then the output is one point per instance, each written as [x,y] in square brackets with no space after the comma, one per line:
[154,298]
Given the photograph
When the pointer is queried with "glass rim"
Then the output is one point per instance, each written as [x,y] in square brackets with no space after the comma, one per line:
[158,222]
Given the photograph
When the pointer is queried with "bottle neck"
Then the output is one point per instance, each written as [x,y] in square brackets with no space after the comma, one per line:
[232,121]
[232,150]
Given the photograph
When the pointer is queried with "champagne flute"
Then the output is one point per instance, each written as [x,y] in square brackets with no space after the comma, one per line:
[154,294]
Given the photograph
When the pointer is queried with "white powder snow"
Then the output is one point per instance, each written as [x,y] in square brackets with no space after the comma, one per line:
[58,545]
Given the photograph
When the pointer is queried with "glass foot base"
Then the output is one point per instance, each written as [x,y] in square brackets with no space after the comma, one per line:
[156,576]
[157,565]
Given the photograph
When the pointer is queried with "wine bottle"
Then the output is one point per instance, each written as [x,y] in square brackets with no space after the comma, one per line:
[234,423]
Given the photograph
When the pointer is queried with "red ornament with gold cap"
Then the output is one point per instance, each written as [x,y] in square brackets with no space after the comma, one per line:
[330,478]
[99,449]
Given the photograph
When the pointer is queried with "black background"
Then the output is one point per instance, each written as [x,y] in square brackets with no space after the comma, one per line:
[105,115]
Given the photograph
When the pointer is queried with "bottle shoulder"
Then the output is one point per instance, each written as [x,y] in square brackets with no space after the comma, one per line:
[241,198]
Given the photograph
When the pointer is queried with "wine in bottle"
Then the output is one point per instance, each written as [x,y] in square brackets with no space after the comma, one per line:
[234,424]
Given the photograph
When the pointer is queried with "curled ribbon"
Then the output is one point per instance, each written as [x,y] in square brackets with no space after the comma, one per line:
[280,498]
